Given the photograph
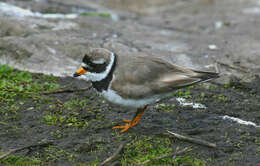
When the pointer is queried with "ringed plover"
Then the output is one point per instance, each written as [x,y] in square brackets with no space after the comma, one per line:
[136,81]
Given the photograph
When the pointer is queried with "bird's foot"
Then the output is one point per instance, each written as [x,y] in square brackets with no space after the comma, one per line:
[130,123]
[124,128]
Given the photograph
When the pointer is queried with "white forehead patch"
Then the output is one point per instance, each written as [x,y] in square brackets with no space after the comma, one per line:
[99,61]
[85,65]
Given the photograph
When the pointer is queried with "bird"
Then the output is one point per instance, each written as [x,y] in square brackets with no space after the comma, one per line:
[136,81]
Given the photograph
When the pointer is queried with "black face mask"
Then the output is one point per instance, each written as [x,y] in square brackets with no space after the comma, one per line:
[92,67]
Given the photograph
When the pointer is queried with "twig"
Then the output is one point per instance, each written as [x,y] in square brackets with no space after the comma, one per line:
[116,163]
[216,68]
[25,147]
[7,153]
[174,154]
[65,91]
[154,159]
[193,140]
[177,152]
[115,155]
[164,156]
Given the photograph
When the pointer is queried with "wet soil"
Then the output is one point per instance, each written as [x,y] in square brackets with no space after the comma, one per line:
[80,124]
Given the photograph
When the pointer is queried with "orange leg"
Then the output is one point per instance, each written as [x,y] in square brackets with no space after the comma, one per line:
[133,122]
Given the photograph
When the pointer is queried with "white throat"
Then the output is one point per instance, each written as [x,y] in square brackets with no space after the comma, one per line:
[100,76]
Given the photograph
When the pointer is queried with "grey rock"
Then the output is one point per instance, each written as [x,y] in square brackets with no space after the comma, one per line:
[178,31]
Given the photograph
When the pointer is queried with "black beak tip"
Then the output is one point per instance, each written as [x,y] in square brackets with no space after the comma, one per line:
[75,74]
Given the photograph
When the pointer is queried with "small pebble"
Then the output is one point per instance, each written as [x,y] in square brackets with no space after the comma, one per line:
[213,47]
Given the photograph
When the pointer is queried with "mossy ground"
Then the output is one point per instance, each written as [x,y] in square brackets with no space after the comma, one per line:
[80,124]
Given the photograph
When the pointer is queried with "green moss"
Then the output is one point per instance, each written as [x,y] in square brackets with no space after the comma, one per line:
[105,15]
[166,107]
[69,113]
[92,163]
[185,93]
[57,133]
[188,161]
[222,97]
[147,148]
[257,141]
[67,120]
[76,103]
[54,153]
[18,160]
[19,84]
[150,147]
[257,150]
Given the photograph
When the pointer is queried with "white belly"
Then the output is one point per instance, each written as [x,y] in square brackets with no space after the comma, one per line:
[113,97]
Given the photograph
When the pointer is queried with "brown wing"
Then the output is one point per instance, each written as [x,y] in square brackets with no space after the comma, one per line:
[142,77]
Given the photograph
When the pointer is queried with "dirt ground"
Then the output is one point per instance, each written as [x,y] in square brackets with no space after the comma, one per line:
[79,127]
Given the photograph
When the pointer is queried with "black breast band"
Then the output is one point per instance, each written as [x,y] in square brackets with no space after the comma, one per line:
[103,84]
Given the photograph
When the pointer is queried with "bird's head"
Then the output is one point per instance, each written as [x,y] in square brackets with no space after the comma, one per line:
[96,64]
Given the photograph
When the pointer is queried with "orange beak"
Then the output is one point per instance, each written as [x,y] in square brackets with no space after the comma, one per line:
[79,72]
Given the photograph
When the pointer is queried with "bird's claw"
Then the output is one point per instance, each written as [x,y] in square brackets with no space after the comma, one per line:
[124,128]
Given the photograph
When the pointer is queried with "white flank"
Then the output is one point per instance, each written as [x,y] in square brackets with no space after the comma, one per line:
[100,76]
[12,10]
[240,121]
[183,102]
[113,97]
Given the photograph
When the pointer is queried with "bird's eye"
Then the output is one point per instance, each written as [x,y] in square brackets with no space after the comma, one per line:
[86,59]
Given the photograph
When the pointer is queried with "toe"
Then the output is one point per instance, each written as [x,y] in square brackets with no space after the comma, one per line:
[124,130]
[118,127]
[126,121]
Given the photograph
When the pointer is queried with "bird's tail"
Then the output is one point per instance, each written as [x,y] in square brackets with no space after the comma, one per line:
[205,75]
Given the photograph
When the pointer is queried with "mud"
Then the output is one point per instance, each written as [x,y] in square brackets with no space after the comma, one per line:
[85,134]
